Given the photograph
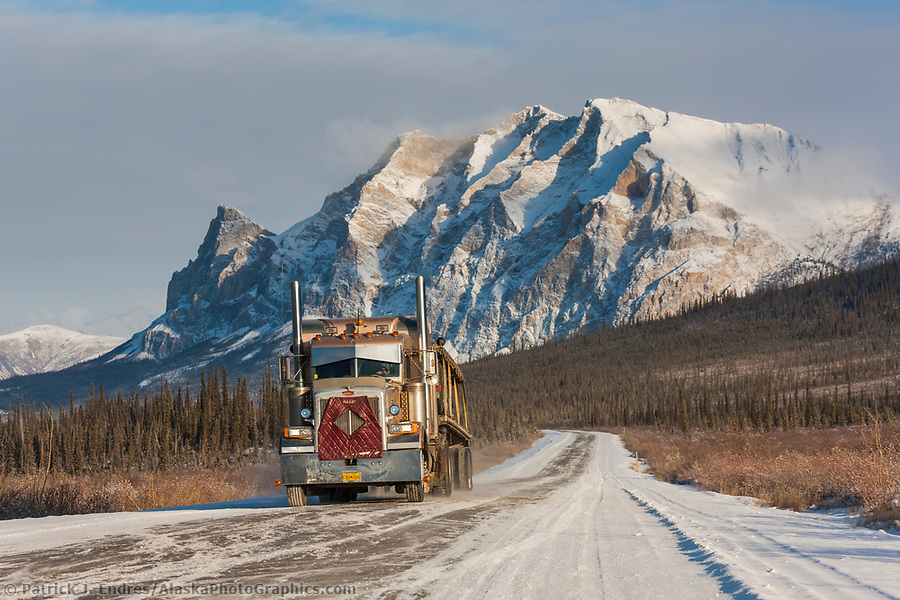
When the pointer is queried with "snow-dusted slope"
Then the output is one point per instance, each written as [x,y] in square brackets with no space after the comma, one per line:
[43,348]
[541,226]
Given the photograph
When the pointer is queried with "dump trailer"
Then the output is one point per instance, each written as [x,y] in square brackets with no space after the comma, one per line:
[372,402]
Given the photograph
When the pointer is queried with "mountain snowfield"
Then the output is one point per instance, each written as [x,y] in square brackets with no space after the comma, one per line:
[541,226]
[43,348]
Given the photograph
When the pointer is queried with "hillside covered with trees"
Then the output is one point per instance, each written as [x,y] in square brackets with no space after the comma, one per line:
[824,353]
[217,425]
[820,354]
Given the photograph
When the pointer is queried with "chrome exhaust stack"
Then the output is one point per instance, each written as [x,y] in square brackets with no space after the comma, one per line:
[297,328]
[297,391]
[426,355]
[422,321]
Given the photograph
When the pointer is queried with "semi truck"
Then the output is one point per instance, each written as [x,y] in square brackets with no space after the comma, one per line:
[372,402]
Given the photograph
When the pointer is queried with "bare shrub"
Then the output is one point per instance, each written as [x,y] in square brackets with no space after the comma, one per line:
[22,496]
[857,467]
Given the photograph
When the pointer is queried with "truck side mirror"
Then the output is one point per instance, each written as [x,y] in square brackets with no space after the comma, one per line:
[285,367]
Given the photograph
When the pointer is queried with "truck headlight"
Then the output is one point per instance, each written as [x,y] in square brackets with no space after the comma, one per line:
[298,433]
[395,410]
[403,428]
[305,413]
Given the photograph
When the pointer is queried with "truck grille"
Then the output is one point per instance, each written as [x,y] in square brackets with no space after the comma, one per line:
[349,422]
[350,429]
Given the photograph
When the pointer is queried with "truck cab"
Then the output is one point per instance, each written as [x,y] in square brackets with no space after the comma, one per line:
[372,402]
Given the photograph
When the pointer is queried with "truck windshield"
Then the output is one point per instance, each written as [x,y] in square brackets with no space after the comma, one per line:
[379,368]
[357,367]
[342,368]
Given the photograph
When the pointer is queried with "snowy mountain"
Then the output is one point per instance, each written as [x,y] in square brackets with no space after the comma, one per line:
[43,348]
[541,226]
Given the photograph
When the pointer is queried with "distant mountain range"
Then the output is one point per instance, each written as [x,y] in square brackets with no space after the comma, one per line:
[44,348]
[539,227]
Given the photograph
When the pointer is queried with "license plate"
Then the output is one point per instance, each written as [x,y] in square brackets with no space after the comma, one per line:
[351,477]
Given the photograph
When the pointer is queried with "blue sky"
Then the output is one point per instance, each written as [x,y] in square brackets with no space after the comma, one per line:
[124,124]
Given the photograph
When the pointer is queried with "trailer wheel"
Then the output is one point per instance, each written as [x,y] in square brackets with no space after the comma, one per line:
[443,468]
[296,495]
[415,491]
[467,471]
[456,466]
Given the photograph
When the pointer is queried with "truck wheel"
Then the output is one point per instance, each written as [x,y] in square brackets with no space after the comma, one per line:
[415,491]
[443,470]
[467,475]
[456,466]
[296,495]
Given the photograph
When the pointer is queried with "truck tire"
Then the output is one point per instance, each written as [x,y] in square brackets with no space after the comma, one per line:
[296,495]
[466,471]
[415,491]
[443,469]
[456,466]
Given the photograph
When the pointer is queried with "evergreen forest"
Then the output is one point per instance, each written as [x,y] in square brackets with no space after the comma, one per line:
[823,353]
[819,354]
[217,426]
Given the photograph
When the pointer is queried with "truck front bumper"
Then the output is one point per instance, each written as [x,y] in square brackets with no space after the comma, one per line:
[394,466]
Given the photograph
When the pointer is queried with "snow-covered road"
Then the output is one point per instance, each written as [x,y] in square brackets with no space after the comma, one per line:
[568,518]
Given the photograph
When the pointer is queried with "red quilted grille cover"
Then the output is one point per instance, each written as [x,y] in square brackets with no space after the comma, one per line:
[363,442]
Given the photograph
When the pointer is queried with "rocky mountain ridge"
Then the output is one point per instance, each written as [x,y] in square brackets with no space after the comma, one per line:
[541,226]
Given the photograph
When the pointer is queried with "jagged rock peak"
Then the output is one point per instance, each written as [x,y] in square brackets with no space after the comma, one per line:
[532,116]
[417,154]
[540,226]
[228,230]
[230,238]
[625,115]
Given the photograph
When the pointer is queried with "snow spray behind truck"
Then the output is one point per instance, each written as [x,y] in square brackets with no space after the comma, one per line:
[372,402]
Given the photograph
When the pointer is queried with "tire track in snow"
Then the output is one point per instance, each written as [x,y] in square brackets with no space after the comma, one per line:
[695,552]
[802,570]
[729,537]
[324,545]
[565,519]
[584,539]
